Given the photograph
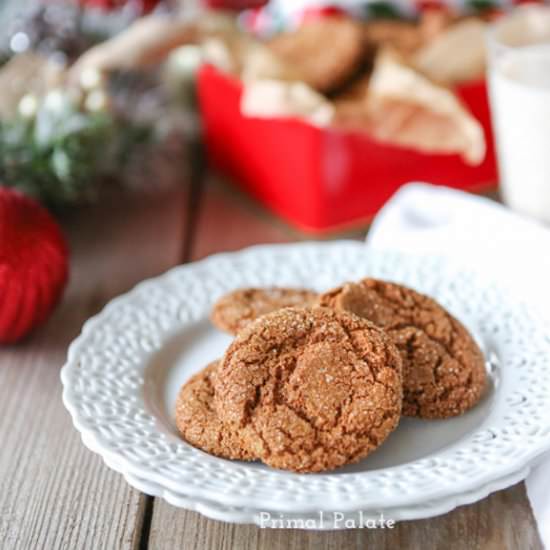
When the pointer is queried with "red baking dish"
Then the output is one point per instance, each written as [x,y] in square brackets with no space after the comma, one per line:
[325,179]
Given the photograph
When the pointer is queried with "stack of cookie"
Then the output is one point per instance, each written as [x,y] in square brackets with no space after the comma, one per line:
[312,382]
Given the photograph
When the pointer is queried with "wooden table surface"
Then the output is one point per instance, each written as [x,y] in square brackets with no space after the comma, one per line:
[55,494]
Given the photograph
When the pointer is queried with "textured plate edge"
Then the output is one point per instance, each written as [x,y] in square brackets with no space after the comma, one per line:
[250,517]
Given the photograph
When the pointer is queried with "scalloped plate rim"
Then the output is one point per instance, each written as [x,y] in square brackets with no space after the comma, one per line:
[249,516]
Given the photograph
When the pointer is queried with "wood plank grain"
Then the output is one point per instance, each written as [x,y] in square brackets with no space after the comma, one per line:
[502,521]
[54,493]
[228,221]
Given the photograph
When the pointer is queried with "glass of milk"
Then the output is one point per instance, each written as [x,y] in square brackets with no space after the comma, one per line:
[519,85]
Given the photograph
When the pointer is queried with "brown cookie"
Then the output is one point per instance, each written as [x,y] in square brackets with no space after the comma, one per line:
[310,388]
[443,368]
[198,422]
[404,36]
[235,310]
[326,52]
[351,108]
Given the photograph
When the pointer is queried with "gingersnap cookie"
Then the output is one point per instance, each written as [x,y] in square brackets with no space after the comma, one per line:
[404,37]
[198,423]
[310,389]
[443,368]
[235,310]
[325,52]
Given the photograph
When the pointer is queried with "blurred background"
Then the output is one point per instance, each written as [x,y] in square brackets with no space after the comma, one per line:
[348,100]
[250,121]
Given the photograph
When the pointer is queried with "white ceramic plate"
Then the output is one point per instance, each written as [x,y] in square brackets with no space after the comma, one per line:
[125,369]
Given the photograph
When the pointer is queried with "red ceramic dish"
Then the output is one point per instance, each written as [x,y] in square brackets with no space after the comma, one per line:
[323,179]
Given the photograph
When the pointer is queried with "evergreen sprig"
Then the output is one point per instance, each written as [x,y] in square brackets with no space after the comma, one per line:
[62,152]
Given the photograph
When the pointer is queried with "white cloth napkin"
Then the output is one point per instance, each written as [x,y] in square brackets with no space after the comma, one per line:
[515,251]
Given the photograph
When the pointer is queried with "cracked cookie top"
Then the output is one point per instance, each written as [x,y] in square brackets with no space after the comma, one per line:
[233,311]
[443,368]
[198,423]
[310,389]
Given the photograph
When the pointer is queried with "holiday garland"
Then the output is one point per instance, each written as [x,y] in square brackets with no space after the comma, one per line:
[59,140]
[58,151]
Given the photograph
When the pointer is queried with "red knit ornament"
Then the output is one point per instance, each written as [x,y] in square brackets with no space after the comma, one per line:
[33,265]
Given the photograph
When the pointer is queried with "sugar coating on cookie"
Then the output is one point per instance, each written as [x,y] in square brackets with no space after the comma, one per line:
[311,389]
[233,311]
[330,68]
[198,423]
[443,368]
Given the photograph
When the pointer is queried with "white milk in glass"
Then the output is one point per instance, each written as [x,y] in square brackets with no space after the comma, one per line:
[519,80]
